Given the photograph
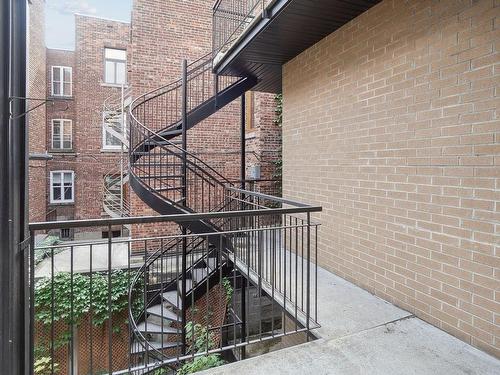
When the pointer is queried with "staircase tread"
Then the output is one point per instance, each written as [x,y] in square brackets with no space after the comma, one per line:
[211,263]
[155,328]
[173,298]
[166,313]
[138,347]
[199,274]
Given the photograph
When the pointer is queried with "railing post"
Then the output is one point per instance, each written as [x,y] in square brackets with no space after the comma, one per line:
[184,196]
[242,221]
[308,288]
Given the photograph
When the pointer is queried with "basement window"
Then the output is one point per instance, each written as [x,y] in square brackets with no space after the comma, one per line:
[62,186]
[62,81]
[62,134]
[115,62]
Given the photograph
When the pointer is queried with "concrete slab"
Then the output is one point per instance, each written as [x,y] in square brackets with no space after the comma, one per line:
[408,346]
[344,308]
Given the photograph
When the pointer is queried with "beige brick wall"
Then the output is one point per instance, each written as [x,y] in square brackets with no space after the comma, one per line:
[392,125]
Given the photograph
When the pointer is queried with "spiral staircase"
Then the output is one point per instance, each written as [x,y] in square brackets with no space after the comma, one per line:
[171,180]
[115,203]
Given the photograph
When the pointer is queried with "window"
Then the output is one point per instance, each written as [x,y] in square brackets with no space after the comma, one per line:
[62,186]
[62,134]
[62,80]
[249,124]
[112,130]
[115,62]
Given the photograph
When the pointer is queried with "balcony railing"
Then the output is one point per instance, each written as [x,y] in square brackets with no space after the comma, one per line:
[231,18]
[90,300]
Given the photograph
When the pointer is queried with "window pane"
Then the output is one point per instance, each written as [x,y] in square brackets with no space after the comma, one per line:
[110,72]
[115,54]
[56,178]
[68,192]
[67,75]
[68,178]
[56,88]
[120,73]
[56,193]
[67,89]
[56,74]
[111,140]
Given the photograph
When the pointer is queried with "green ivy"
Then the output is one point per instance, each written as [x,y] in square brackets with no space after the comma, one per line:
[226,284]
[279,109]
[278,163]
[73,298]
[201,363]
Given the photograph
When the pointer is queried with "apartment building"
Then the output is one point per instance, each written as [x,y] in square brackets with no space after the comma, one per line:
[82,178]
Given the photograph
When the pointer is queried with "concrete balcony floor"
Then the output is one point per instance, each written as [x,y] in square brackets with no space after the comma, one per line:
[363,334]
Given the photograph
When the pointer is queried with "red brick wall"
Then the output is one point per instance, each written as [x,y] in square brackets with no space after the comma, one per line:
[391,124]
[36,119]
[163,34]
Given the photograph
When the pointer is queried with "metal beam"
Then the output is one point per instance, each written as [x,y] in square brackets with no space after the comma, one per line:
[14,331]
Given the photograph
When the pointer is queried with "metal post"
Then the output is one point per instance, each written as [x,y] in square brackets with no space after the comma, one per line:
[122,115]
[243,175]
[14,325]
[308,272]
[184,195]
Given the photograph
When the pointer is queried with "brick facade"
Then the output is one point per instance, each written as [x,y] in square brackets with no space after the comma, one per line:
[391,123]
[87,158]
[36,119]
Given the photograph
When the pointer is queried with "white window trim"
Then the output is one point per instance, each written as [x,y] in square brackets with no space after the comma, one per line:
[61,83]
[106,147]
[62,133]
[72,200]
[115,61]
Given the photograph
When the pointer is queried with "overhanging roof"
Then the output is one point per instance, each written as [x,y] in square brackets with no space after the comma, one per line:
[289,28]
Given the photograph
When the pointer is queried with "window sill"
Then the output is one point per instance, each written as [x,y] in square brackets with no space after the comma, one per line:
[72,203]
[104,84]
[113,150]
[250,135]
[58,152]
[60,97]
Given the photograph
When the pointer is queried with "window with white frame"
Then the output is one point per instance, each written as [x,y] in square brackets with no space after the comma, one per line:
[112,130]
[62,187]
[115,63]
[62,81]
[62,134]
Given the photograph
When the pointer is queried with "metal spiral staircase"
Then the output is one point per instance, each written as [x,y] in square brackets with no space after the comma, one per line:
[173,181]
[115,204]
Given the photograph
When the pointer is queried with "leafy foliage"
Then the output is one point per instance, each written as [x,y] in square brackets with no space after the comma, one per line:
[201,363]
[279,109]
[226,284]
[76,295]
[43,366]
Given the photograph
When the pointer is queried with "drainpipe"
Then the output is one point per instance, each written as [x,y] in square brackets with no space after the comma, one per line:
[14,322]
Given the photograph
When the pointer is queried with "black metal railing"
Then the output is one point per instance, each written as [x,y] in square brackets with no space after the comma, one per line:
[231,18]
[114,305]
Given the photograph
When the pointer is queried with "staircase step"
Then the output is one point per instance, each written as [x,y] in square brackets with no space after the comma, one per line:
[199,274]
[189,285]
[138,347]
[173,298]
[166,313]
[156,329]
[211,263]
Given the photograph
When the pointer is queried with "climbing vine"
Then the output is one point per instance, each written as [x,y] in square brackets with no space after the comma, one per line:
[278,163]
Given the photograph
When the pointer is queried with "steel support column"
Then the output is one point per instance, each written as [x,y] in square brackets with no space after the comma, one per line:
[184,195]
[243,176]
[14,332]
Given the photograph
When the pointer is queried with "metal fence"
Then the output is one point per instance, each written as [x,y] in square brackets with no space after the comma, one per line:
[115,305]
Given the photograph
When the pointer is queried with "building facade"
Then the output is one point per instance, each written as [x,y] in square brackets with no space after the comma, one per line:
[401,149]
